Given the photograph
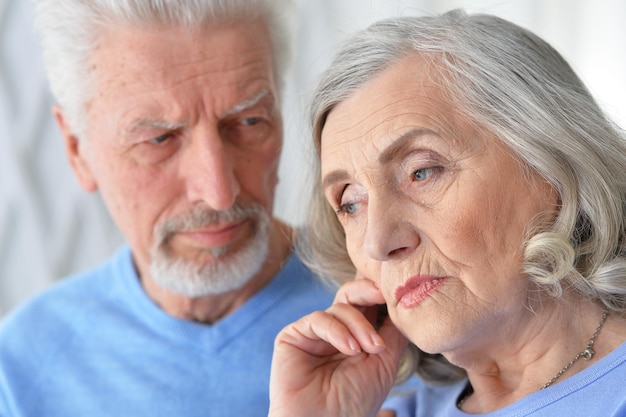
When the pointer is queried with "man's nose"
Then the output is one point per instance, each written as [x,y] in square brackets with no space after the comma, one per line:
[210,175]
[389,233]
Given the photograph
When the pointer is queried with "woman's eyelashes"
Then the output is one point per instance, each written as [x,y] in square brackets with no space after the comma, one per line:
[423,174]
[347,208]
[350,199]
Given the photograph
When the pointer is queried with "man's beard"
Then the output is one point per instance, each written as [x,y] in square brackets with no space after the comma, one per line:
[228,270]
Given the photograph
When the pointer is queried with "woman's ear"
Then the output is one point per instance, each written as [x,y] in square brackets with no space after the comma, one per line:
[75,151]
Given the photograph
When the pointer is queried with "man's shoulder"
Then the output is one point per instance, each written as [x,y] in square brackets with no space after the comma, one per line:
[304,285]
[296,267]
[57,308]
[51,334]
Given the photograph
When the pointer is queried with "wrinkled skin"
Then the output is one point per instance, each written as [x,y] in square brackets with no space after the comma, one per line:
[435,212]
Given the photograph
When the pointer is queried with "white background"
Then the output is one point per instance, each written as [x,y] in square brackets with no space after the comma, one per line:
[50,228]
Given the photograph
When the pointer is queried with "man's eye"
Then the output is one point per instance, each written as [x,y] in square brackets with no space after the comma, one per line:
[246,130]
[251,121]
[423,174]
[161,139]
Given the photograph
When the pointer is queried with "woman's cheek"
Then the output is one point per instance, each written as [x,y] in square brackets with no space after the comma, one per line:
[364,265]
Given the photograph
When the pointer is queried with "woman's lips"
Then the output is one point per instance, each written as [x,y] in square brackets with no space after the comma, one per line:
[416,290]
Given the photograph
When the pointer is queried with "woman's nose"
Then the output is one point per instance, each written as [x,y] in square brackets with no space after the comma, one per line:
[389,233]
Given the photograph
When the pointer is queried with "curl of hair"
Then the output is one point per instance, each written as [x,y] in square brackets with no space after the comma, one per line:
[511,83]
[70,30]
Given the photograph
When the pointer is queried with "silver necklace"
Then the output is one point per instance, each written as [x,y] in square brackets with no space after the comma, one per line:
[586,354]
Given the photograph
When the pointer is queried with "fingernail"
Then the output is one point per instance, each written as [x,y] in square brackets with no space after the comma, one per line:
[353,345]
[377,340]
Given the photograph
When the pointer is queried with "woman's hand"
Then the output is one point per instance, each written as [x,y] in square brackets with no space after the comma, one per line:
[333,362]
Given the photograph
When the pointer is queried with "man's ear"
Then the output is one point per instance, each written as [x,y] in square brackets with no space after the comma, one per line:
[75,151]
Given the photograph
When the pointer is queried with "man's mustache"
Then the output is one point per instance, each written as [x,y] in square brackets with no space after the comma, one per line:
[202,216]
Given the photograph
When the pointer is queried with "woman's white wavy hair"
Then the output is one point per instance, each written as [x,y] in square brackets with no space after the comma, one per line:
[510,82]
[70,29]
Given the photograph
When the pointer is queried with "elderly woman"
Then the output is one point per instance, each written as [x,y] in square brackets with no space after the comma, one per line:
[468,175]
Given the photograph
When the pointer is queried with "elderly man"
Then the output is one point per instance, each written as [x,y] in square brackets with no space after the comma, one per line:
[171,110]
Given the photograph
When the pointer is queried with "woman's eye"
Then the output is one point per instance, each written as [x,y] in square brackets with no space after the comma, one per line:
[347,208]
[423,174]
[350,201]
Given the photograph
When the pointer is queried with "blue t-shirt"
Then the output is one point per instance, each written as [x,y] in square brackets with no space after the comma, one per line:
[97,345]
[598,391]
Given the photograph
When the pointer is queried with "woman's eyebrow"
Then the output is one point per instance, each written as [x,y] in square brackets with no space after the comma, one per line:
[399,144]
[386,156]
[334,177]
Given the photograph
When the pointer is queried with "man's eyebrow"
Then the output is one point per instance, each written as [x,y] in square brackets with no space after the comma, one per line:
[401,142]
[237,108]
[155,124]
[164,125]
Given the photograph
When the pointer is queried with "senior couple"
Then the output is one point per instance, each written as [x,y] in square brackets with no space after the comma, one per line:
[469,204]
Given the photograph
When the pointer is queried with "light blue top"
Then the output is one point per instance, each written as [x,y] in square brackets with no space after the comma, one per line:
[598,391]
[96,345]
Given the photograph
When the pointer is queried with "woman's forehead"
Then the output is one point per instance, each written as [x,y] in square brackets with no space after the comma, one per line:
[400,99]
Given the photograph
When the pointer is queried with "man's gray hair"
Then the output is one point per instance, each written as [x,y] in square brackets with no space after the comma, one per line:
[70,29]
[509,82]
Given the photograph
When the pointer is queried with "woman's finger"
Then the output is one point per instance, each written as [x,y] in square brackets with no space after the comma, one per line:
[395,341]
[360,292]
[341,327]
[359,325]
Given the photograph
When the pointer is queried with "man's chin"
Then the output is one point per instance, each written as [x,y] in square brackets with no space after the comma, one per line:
[208,274]
[196,272]
[200,259]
